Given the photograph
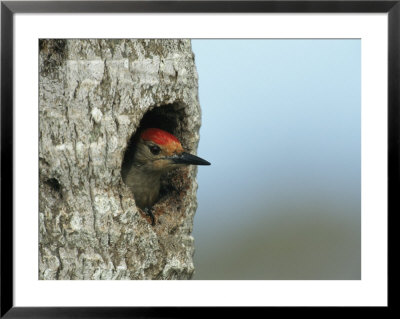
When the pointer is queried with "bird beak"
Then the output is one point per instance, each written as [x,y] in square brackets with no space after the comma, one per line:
[188,159]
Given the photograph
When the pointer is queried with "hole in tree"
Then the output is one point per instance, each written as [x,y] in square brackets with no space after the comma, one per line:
[54,185]
[174,184]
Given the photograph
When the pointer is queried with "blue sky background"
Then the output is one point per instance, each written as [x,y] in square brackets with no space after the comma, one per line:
[281,125]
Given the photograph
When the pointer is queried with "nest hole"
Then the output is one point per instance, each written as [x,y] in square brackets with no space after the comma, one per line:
[174,185]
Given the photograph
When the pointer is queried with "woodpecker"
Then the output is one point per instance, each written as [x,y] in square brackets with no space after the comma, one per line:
[156,152]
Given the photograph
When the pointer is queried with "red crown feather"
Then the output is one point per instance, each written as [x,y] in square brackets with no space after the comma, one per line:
[158,136]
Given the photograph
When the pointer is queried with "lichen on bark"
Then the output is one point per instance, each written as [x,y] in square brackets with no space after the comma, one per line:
[93,96]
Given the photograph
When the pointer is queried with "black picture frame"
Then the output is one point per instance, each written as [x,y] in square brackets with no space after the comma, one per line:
[9,8]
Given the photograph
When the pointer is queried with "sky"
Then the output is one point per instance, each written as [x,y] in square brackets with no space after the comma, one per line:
[281,125]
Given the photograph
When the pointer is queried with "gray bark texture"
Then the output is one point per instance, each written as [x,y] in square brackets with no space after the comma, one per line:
[93,97]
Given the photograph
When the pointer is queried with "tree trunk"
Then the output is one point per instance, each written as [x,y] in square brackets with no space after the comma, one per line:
[93,96]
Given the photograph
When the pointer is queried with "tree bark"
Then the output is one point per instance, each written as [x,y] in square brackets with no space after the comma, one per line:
[93,97]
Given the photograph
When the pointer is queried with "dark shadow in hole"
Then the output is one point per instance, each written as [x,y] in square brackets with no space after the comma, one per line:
[168,118]
[54,185]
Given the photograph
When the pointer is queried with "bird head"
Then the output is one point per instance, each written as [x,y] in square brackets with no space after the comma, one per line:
[160,151]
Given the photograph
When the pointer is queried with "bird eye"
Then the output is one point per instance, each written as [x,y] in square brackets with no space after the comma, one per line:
[154,149]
